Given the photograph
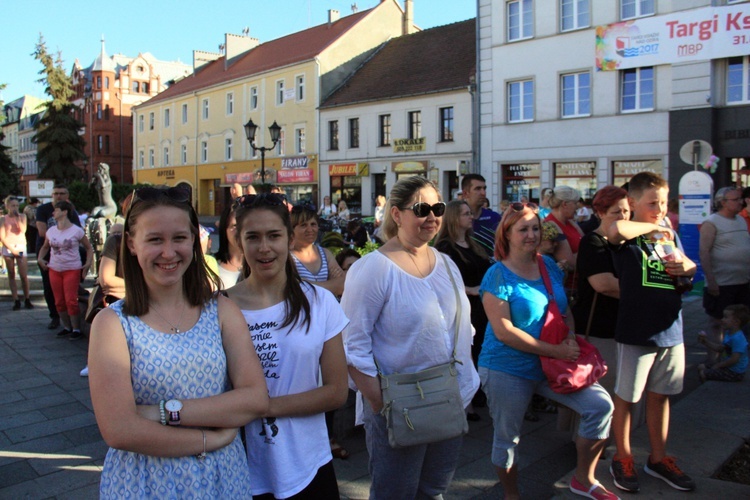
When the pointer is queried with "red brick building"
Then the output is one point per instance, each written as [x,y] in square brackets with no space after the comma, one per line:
[105,91]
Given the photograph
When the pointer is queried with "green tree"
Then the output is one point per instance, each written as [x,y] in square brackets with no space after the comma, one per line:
[59,144]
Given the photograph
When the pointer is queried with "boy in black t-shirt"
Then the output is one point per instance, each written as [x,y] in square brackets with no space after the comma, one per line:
[650,350]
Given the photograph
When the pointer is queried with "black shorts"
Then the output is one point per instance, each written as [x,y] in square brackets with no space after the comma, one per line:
[728,295]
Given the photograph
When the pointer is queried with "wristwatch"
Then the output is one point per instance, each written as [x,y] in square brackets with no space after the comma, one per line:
[173,407]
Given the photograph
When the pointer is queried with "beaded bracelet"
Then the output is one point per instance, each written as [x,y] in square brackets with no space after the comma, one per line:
[162,412]
[202,456]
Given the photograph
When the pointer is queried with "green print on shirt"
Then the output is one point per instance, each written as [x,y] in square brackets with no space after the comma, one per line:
[654,275]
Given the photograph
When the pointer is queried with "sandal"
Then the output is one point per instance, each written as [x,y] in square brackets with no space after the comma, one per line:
[579,489]
[338,452]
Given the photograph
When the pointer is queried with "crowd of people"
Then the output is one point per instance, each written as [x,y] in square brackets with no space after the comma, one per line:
[221,375]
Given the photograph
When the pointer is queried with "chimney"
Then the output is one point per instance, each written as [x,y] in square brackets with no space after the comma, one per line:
[408,17]
[201,58]
[235,45]
[333,16]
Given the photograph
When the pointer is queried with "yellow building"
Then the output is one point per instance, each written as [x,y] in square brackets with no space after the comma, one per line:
[192,133]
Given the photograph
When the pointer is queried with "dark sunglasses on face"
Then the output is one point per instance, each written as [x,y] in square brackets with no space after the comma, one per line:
[518,206]
[422,209]
[257,200]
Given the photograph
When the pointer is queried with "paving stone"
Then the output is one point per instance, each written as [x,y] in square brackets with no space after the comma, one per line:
[25,405]
[53,485]
[90,492]
[21,419]
[30,449]
[10,397]
[84,435]
[23,385]
[15,473]
[65,410]
[69,457]
[49,427]
[41,391]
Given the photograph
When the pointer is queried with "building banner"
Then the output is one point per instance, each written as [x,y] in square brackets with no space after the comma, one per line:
[692,35]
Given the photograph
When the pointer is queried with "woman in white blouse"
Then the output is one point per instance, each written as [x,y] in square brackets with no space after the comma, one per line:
[402,307]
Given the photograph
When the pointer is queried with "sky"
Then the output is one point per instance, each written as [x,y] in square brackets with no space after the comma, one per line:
[168,29]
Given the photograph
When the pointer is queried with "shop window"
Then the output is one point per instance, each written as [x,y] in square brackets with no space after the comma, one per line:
[415,124]
[521,101]
[576,95]
[520,20]
[637,89]
[574,14]
[354,132]
[333,135]
[630,9]
[446,124]
[738,80]
[385,130]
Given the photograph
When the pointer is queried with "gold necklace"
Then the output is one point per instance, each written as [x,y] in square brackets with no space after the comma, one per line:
[174,328]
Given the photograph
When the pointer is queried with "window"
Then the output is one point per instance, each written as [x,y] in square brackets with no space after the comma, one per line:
[333,135]
[636,8]
[205,109]
[637,90]
[299,140]
[98,82]
[151,121]
[183,154]
[204,151]
[228,148]
[301,87]
[99,143]
[184,113]
[98,111]
[521,101]
[738,80]
[140,123]
[106,112]
[576,95]
[144,87]
[520,20]
[106,144]
[385,130]
[281,143]
[280,92]
[166,156]
[140,159]
[230,103]
[106,82]
[151,157]
[354,132]
[446,124]
[415,124]
[574,14]
[253,98]
[166,118]
[136,87]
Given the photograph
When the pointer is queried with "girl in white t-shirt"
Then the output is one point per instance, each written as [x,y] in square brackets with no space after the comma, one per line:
[296,329]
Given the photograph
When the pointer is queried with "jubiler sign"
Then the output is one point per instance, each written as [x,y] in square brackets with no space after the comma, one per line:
[693,35]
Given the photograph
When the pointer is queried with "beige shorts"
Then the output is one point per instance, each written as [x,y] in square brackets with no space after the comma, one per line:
[655,369]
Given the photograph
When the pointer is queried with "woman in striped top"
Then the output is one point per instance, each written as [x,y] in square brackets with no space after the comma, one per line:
[314,263]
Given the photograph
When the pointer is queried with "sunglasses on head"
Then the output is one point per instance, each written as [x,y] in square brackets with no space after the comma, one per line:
[258,200]
[518,206]
[303,207]
[422,209]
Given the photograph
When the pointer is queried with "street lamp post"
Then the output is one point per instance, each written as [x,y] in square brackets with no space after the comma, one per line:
[250,129]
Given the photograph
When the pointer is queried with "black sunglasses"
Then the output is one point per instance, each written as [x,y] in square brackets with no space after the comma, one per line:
[304,207]
[518,206]
[422,209]
[257,200]
[176,194]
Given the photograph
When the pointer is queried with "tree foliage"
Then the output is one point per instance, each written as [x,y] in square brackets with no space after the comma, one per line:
[60,145]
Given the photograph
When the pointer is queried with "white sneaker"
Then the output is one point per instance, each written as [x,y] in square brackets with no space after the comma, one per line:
[85,371]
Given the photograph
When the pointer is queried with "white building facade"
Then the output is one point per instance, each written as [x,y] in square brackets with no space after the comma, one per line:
[557,108]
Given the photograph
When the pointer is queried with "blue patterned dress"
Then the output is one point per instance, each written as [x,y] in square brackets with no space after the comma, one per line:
[186,365]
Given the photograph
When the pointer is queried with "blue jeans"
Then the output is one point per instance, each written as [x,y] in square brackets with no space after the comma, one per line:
[422,472]
[508,397]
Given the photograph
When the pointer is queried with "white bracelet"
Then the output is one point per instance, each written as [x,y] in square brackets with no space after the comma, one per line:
[202,456]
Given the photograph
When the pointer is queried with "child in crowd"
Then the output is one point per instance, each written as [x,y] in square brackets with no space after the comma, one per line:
[650,349]
[734,346]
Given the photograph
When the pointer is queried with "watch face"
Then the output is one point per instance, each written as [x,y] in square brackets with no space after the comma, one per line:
[173,405]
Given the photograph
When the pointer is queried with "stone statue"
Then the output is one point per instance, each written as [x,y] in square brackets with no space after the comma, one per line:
[103,183]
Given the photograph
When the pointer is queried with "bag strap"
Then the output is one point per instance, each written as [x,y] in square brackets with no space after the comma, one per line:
[591,314]
[545,276]
[458,304]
